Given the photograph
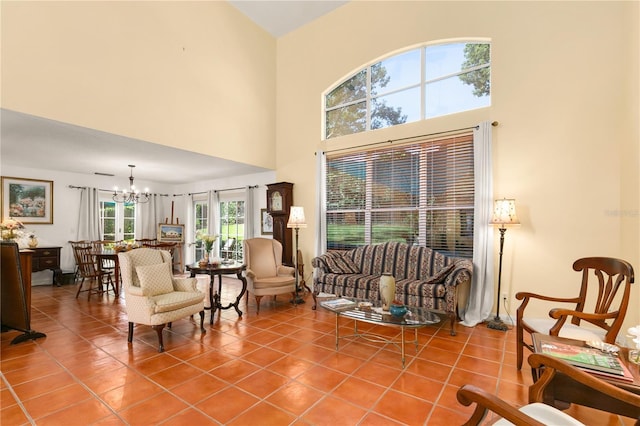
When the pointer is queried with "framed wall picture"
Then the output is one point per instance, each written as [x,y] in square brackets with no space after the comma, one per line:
[266,223]
[170,233]
[27,200]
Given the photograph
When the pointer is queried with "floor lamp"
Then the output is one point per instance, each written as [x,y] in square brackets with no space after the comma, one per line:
[296,221]
[504,213]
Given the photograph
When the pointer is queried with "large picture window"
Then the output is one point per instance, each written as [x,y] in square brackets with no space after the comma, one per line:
[421,193]
[433,80]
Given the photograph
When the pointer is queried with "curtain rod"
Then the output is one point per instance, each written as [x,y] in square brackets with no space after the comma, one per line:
[108,190]
[218,190]
[494,124]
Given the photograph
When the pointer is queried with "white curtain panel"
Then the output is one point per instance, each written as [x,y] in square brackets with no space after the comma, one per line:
[481,295]
[89,215]
[321,203]
[213,216]
[149,215]
[249,222]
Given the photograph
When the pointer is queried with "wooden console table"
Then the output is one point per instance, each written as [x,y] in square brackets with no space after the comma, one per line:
[47,258]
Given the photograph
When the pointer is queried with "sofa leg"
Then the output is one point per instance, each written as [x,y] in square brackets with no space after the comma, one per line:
[158,329]
[315,300]
[453,319]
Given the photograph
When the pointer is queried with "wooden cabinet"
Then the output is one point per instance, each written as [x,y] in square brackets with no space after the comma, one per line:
[279,202]
[47,258]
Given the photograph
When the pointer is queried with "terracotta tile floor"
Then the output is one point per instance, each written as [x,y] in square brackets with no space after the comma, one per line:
[279,367]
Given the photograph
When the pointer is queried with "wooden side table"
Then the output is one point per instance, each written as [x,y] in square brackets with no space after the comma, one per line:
[220,270]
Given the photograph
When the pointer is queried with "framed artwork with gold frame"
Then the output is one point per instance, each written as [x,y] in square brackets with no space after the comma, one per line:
[28,200]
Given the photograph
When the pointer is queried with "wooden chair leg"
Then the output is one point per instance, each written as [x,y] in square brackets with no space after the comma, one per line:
[158,329]
[258,303]
[91,288]
[202,329]
[79,287]
[130,337]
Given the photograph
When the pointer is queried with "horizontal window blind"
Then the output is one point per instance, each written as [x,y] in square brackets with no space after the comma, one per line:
[419,193]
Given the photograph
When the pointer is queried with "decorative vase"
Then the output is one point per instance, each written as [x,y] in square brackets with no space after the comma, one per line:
[387,290]
[205,257]
[33,242]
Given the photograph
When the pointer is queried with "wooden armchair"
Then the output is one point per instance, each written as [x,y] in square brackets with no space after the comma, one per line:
[536,412]
[610,282]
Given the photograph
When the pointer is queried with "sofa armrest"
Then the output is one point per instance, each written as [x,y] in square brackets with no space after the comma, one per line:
[461,272]
[320,263]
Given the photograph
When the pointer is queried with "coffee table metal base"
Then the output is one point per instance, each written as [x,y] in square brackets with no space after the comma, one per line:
[377,338]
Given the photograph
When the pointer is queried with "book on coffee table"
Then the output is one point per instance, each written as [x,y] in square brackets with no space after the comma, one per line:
[586,358]
[338,304]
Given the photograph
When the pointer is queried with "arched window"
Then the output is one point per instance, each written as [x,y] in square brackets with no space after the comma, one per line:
[430,81]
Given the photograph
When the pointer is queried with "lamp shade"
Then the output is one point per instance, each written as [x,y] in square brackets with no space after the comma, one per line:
[296,218]
[504,212]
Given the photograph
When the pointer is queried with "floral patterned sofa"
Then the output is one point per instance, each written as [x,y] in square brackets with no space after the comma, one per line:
[424,277]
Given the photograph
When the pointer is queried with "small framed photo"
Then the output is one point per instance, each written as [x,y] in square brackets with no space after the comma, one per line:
[170,233]
[266,223]
[28,200]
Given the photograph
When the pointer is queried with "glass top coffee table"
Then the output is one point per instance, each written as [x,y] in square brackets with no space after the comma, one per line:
[371,312]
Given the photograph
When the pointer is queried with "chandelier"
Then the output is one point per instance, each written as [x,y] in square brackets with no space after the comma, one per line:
[131,195]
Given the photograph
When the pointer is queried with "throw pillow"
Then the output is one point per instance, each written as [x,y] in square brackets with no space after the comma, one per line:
[340,264]
[155,279]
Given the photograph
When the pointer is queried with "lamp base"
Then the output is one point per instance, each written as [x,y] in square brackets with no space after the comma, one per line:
[297,300]
[497,324]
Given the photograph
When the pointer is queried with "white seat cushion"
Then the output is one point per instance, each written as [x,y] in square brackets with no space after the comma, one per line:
[545,414]
[570,331]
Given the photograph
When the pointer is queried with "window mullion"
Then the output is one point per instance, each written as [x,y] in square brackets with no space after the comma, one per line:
[368,198]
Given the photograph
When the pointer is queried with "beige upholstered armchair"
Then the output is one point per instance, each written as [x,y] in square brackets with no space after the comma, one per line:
[266,275]
[153,295]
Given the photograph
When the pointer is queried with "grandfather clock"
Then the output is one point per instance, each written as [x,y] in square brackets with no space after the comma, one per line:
[279,201]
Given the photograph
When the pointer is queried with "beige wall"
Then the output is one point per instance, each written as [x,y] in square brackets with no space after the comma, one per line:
[201,76]
[194,75]
[565,92]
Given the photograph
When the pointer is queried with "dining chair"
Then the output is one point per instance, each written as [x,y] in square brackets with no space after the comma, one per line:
[596,313]
[228,249]
[174,249]
[100,245]
[89,271]
[74,244]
